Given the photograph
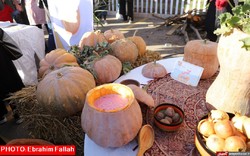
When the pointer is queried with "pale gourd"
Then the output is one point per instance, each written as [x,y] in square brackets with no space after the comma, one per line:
[230,89]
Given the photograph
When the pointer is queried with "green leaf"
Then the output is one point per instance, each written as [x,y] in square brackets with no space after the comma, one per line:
[224,18]
[234,21]
[246,6]
[126,67]
[223,30]
[246,27]
[246,42]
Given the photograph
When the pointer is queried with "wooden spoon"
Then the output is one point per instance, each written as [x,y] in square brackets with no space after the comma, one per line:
[146,139]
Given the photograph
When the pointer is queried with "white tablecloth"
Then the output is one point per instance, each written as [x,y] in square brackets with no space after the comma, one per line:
[92,149]
[30,40]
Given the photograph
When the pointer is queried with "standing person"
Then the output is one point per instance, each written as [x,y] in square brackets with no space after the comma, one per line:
[212,20]
[101,7]
[6,12]
[50,45]
[35,14]
[127,10]
[19,15]
[10,81]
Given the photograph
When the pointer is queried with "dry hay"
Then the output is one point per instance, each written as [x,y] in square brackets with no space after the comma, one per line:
[149,56]
[44,126]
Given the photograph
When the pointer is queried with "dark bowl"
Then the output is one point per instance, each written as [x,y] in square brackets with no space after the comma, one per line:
[164,126]
[200,141]
[130,81]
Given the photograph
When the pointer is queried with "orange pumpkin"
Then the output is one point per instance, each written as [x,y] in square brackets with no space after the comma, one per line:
[125,50]
[54,60]
[154,70]
[62,92]
[113,35]
[202,53]
[107,69]
[100,37]
[140,43]
[115,127]
[88,39]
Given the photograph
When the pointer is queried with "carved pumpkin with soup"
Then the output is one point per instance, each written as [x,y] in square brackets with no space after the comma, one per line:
[111,116]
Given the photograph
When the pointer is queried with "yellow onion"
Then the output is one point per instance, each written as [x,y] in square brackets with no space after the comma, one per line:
[238,121]
[224,128]
[215,143]
[240,134]
[235,144]
[246,127]
[248,146]
[206,127]
[216,115]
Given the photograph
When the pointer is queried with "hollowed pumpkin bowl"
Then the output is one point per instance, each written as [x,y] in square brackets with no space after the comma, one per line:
[164,126]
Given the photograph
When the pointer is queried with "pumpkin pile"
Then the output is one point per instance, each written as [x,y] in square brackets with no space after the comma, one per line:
[222,133]
[110,51]
[65,79]
[64,84]
[99,58]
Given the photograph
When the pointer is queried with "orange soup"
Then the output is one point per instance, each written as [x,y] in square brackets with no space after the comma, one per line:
[111,102]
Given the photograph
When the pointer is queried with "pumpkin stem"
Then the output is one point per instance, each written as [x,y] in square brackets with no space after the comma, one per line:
[135,32]
[59,75]
[205,41]
[52,67]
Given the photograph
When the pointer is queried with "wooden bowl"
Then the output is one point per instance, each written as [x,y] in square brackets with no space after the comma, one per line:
[130,81]
[168,127]
[200,141]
